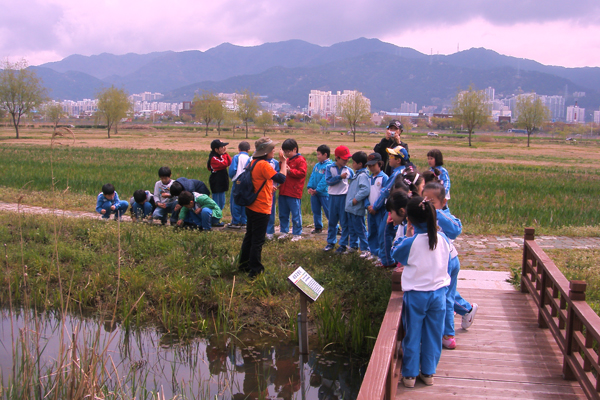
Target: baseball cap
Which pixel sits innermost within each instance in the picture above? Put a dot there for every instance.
(215, 144)
(263, 146)
(373, 158)
(395, 124)
(398, 151)
(342, 152)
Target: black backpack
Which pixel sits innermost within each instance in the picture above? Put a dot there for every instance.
(243, 188)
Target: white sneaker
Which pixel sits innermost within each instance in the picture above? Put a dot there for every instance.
(365, 254)
(269, 236)
(296, 238)
(283, 236)
(468, 318)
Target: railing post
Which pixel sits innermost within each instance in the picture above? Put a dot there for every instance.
(576, 293)
(529, 235)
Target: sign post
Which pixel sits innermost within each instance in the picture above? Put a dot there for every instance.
(309, 290)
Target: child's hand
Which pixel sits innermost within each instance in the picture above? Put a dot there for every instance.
(180, 222)
(112, 208)
(165, 194)
(177, 208)
(281, 155)
(370, 210)
(354, 202)
(103, 211)
(198, 210)
(161, 205)
(344, 175)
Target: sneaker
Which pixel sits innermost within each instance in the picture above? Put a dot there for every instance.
(315, 231)
(329, 247)
(218, 225)
(296, 238)
(283, 236)
(378, 264)
(269, 236)
(365, 254)
(448, 342)
(468, 318)
(351, 250)
(234, 226)
(427, 379)
(408, 381)
(341, 250)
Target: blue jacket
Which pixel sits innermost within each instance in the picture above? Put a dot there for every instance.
(448, 223)
(233, 168)
(359, 189)
(193, 185)
(317, 177)
(445, 178)
(101, 200)
(333, 178)
(385, 191)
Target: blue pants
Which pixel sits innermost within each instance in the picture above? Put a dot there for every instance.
(141, 210)
(461, 306)
(423, 321)
(290, 205)
(119, 210)
(238, 213)
(204, 219)
(387, 234)
(374, 222)
(453, 268)
(316, 203)
(357, 232)
(162, 213)
(337, 214)
(271, 224)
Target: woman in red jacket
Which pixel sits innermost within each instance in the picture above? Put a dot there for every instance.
(290, 193)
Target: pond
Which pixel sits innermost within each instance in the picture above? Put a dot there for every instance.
(146, 362)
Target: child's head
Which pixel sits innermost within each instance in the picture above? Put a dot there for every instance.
(420, 211)
(164, 174)
(399, 185)
(396, 206)
(398, 156)
(218, 147)
(359, 159)
(176, 189)
(374, 163)
(414, 181)
(435, 158)
(244, 146)
(139, 196)
(342, 154)
(186, 199)
(108, 190)
(323, 153)
(289, 147)
(436, 192)
(431, 176)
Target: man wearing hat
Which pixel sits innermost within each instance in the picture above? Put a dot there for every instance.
(259, 212)
(392, 139)
(218, 164)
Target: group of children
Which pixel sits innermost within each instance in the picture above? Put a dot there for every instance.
(408, 225)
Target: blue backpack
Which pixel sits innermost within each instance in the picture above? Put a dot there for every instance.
(243, 188)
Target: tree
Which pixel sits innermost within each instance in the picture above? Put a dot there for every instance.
(113, 105)
(206, 107)
(231, 118)
(470, 109)
(354, 108)
(264, 121)
(219, 114)
(247, 108)
(54, 113)
(21, 91)
(531, 113)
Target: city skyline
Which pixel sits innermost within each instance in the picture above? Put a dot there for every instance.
(558, 33)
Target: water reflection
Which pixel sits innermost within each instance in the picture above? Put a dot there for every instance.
(222, 367)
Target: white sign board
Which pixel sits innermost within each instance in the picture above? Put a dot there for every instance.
(306, 284)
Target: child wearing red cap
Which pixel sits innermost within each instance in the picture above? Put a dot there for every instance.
(336, 177)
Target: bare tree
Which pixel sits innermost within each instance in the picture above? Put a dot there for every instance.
(353, 109)
(113, 105)
(531, 113)
(470, 109)
(247, 108)
(21, 91)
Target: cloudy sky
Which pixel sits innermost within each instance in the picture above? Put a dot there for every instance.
(549, 31)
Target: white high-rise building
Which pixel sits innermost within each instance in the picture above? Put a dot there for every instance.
(408, 107)
(556, 105)
(325, 104)
(597, 117)
(576, 114)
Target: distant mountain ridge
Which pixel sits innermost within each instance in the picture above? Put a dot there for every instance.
(287, 71)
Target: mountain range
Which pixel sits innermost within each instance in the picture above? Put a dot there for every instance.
(287, 71)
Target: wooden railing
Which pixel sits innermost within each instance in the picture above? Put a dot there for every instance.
(383, 373)
(563, 310)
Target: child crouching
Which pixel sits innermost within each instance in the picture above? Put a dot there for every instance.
(198, 211)
(108, 203)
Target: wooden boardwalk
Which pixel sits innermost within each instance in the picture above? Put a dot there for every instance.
(504, 355)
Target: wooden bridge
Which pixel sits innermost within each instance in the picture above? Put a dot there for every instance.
(539, 343)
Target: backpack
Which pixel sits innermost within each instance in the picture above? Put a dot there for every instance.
(243, 188)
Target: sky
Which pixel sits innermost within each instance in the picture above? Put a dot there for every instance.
(553, 32)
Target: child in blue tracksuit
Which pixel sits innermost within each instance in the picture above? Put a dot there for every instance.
(375, 219)
(358, 192)
(317, 188)
(108, 203)
(398, 160)
(271, 225)
(238, 164)
(425, 254)
(452, 227)
(336, 177)
(436, 160)
(142, 205)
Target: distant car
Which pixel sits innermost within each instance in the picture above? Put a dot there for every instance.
(372, 133)
(197, 123)
(432, 134)
(178, 123)
(570, 139)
